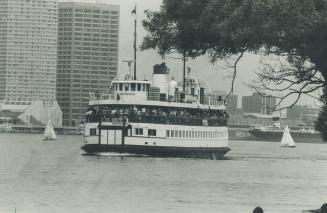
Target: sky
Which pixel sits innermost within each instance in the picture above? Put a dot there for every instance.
(216, 77)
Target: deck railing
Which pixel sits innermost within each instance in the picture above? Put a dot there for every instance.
(211, 100)
(157, 119)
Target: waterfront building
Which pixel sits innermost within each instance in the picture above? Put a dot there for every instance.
(87, 55)
(258, 103)
(304, 113)
(28, 57)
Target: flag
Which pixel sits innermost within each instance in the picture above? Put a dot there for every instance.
(188, 70)
(134, 11)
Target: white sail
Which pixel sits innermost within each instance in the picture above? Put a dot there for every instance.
(287, 140)
(49, 133)
(53, 134)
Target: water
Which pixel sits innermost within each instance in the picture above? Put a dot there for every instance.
(53, 176)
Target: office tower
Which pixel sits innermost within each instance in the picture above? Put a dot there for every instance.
(28, 56)
(258, 103)
(87, 55)
(28, 51)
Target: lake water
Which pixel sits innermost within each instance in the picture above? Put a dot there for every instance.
(53, 176)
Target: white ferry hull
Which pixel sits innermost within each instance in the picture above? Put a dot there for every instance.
(212, 143)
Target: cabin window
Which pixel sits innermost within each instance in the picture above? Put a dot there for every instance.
(126, 87)
(167, 133)
(152, 132)
(93, 131)
(192, 134)
(133, 87)
(192, 91)
(186, 134)
(183, 134)
(120, 87)
(138, 131)
(172, 133)
(176, 133)
(139, 87)
(143, 87)
(180, 134)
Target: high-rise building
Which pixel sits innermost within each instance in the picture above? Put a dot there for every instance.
(87, 55)
(28, 51)
(28, 59)
(259, 103)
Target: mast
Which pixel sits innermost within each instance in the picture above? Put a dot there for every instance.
(134, 12)
(184, 61)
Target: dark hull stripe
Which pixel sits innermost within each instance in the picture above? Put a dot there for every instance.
(159, 151)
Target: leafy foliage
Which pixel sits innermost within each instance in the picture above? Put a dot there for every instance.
(293, 29)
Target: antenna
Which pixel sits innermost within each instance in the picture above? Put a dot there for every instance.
(134, 12)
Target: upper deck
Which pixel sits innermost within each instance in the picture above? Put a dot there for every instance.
(135, 92)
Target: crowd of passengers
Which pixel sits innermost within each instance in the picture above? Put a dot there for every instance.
(150, 114)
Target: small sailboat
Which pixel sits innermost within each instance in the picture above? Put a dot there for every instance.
(49, 133)
(287, 140)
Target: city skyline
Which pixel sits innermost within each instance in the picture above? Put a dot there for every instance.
(88, 36)
(28, 52)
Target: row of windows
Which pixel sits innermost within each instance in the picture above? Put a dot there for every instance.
(194, 134)
(184, 133)
(130, 87)
(151, 132)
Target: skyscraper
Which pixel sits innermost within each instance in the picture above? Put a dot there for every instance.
(87, 54)
(28, 60)
(257, 103)
(28, 51)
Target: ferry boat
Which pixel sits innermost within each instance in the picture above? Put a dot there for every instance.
(160, 118)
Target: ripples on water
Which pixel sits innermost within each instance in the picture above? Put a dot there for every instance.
(55, 176)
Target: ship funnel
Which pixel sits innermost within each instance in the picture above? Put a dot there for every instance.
(160, 77)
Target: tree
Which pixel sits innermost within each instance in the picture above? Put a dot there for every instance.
(295, 30)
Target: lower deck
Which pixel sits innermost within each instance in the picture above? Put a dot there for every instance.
(156, 135)
(156, 139)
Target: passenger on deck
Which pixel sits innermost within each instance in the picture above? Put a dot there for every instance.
(258, 210)
(323, 208)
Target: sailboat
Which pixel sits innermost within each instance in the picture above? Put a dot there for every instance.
(49, 133)
(287, 140)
